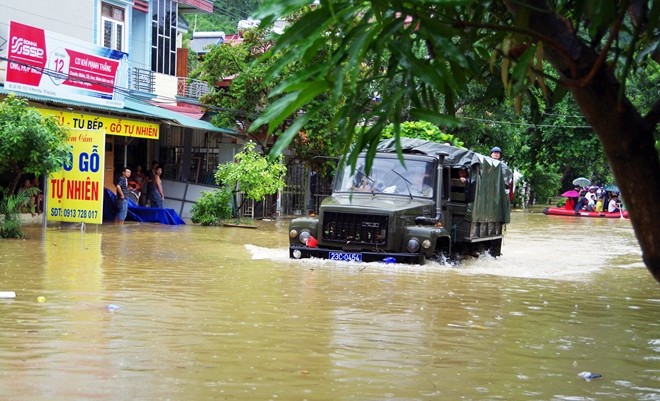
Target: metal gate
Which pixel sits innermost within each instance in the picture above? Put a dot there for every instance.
(305, 190)
(294, 194)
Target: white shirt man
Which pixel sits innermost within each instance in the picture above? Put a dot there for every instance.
(591, 195)
(613, 206)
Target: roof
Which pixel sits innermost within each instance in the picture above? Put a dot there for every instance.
(66, 102)
(202, 42)
(190, 110)
(177, 118)
(195, 6)
(132, 108)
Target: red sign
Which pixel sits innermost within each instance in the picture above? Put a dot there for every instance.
(27, 50)
(91, 72)
(46, 63)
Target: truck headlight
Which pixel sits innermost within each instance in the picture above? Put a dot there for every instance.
(412, 245)
(293, 233)
(304, 236)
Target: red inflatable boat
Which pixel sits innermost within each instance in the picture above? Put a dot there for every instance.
(558, 211)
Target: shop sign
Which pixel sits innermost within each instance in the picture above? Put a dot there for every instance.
(110, 125)
(75, 193)
(49, 64)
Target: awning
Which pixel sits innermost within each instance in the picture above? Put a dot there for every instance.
(132, 108)
(177, 118)
(66, 102)
(195, 6)
(191, 111)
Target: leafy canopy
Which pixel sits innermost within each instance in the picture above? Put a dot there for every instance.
(252, 174)
(434, 50)
(212, 207)
(422, 130)
(245, 93)
(29, 142)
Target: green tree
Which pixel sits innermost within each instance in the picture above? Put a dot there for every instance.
(29, 142)
(212, 207)
(248, 93)
(10, 218)
(592, 46)
(225, 16)
(421, 130)
(252, 174)
(550, 143)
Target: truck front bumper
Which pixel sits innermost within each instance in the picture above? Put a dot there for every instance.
(304, 252)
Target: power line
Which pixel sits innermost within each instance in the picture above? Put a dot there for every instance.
(522, 124)
(127, 93)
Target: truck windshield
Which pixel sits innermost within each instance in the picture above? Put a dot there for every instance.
(388, 176)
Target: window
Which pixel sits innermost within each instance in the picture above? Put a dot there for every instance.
(164, 24)
(113, 20)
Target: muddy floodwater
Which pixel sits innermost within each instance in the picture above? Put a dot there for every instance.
(153, 312)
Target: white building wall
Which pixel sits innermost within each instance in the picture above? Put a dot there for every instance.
(69, 17)
(75, 18)
(139, 50)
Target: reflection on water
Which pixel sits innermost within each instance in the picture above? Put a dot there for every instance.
(205, 313)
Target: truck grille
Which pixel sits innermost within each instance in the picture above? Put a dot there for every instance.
(349, 228)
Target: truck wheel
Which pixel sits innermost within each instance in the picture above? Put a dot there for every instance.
(495, 248)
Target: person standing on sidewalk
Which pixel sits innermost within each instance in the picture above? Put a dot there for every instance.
(157, 194)
(122, 191)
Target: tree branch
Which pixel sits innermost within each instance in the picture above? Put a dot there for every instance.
(603, 53)
(545, 39)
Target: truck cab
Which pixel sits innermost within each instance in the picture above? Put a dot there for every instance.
(440, 201)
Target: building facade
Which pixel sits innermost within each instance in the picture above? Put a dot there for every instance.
(120, 63)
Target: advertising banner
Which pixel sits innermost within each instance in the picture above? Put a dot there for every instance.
(111, 125)
(75, 193)
(50, 64)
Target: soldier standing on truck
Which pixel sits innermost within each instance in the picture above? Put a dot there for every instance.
(496, 153)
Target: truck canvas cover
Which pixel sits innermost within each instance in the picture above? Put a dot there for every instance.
(488, 176)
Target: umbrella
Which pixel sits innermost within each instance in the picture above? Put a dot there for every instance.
(570, 194)
(581, 181)
(612, 188)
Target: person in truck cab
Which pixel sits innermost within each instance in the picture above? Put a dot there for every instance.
(420, 186)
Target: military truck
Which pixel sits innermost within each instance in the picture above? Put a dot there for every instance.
(441, 201)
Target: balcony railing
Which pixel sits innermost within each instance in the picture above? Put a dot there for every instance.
(191, 88)
(142, 80)
(161, 85)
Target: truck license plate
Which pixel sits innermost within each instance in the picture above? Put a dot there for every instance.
(345, 256)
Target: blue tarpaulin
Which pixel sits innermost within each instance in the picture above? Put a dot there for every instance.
(140, 213)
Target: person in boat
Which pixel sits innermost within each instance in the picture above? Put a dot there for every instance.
(591, 204)
(599, 204)
(591, 194)
(570, 204)
(581, 203)
(614, 205)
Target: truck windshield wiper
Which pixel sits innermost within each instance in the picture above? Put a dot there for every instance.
(408, 183)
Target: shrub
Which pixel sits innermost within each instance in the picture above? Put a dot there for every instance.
(212, 207)
(10, 224)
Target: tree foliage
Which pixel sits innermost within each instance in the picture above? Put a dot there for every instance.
(248, 94)
(434, 51)
(225, 16)
(421, 130)
(29, 142)
(252, 174)
(212, 207)
(10, 204)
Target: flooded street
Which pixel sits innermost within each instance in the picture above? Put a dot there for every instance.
(152, 312)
